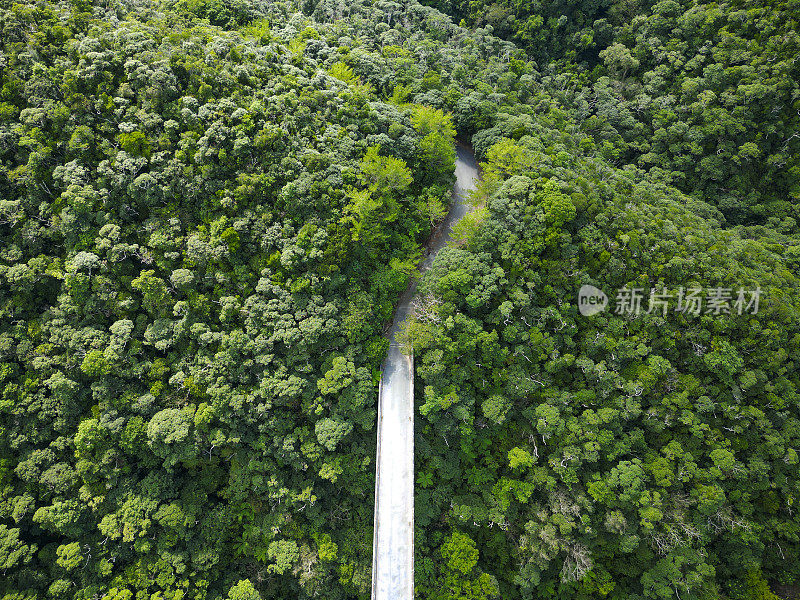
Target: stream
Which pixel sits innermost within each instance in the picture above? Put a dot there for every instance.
(393, 542)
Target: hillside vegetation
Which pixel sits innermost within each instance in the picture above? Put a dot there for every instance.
(208, 210)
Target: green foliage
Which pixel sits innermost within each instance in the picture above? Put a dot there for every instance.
(330, 432)
(603, 452)
(244, 590)
(13, 551)
(384, 175)
(459, 553)
(208, 209)
(284, 553)
(344, 73)
(460, 576)
(69, 556)
(698, 93)
(202, 235)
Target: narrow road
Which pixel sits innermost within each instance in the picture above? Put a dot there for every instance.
(393, 543)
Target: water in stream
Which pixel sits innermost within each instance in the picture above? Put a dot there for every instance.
(393, 551)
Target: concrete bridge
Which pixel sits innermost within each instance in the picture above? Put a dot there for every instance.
(393, 538)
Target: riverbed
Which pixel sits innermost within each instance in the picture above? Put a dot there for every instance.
(393, 550)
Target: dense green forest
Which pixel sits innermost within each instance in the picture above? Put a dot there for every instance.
(208, 209)
(703, 93)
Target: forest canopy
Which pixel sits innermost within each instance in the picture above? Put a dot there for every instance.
(209, 209)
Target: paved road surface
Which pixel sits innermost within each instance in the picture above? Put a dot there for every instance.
(393, 551)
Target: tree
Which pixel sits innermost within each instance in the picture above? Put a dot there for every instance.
(285, 553)
(384, 175)
(460, 553)
(331, 432)
(244, 590)
(13, 551)
(619, 60)
(168, 435)
(69, 556)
